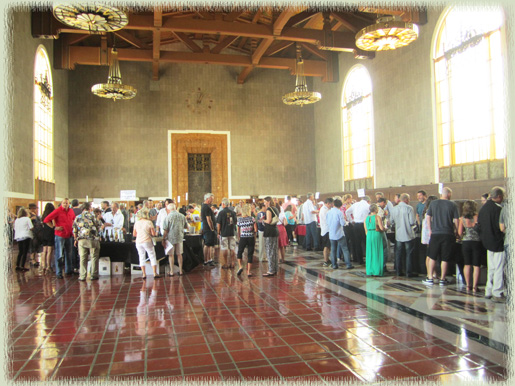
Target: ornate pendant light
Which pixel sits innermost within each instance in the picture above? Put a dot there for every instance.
(94, 18)
(301, 96)
(114, 88)
(387, 34)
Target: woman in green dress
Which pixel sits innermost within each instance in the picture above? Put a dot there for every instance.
(374, 256)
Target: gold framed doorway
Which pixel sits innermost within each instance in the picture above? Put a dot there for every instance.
(182, 144)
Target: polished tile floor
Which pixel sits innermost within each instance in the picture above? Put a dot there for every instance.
(308, 323)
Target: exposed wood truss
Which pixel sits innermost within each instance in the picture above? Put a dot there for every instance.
(263, 37)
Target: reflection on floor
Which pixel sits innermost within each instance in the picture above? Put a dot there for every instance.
(307, 323)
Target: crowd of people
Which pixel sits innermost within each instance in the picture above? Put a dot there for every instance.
(350, 232)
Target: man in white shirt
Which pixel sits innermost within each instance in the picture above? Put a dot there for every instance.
(326, 243)
(359, 212)
(162, 215)
(113, 220)
(310, 219)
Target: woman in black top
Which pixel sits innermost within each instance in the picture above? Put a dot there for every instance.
(48, 241)
(271, 236)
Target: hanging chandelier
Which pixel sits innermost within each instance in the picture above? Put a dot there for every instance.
(94, 18)
(301, 96)
(114, 88)
(387, 34)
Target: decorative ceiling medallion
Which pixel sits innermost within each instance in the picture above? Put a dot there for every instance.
(95, 18)
(387, 34)
(114, 88)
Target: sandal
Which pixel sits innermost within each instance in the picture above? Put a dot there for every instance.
(170, 275)
(144, 277)
(469, 288)
(180, 273)
(157, 276)
(268, 274)
(250, 275)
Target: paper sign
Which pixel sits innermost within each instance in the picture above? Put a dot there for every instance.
(361, 192)
(317, 195)
(127, 195)
(440, 187)
(97, 201)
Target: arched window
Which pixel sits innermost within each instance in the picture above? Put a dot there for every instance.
(43, 132)
(469, 86)
(358, 131)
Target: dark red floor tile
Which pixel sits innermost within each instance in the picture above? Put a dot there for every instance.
(294, 369)
(222, 357)
(99, 370)
(259, 372)
(199, 369)
(394, 372)
(284, 360)
(297, 339)
(279, 351)
(341, 376)
(217, 347)
(239, 345)
(226, 366)
(246, 355)
(252, 363)
(426, 367)
(171, 372)
(72, 372)
(119, 368)
(163, 364)
(308, 348)
(406, 356)
(433, 352)
(194, 350)
(326, 365)
(231, 375)
(197, 360)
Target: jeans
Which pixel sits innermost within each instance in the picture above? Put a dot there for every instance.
(400, 247)
(340, 244)
(312, 234)
(63, 246)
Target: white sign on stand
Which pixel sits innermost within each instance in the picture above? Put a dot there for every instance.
(361, 192)
(440, 188)
(127, 195)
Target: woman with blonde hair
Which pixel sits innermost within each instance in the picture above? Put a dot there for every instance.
(471, 244)
(144, 231)
(23, 235)
(247, 231)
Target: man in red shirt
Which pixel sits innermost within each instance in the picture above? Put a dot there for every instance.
(63, 217)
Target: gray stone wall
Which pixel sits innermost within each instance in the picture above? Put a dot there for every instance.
(403, 125)
(123, 145)
(20, 122)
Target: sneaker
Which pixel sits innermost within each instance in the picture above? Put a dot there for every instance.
(351, 267)
(59, 276)
(326, 264)
(444, 282)
(294, 243)
(498, 299)
(428, 281)
(94, 278)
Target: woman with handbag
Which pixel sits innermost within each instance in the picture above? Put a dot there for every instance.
(271, 236)
(374, 252)
(471, 245)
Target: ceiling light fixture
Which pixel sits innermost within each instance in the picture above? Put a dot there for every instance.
(387, 34)
(94, 18)
(301, 96)
(114, 89)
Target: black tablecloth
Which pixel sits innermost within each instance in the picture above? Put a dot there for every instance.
(193, 253)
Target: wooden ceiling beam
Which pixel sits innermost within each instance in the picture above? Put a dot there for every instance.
(324, 55)
(342, 20)
(299, 18)
(156, 42)
(244, 74)
(282, 19)
(74, 39)
(232, 16)
(131, 39)
(277, 47)
(188, 42)
(260, 51)
(350, 21)
(91, 56)
(257, 16)
(224, 43)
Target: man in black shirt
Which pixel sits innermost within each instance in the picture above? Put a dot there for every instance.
(208, 229)
(226, 225)
(493, 240)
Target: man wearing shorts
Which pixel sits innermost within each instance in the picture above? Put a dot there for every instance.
(443, 226)
(226, 225)
(173, 231)
(208, 229)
